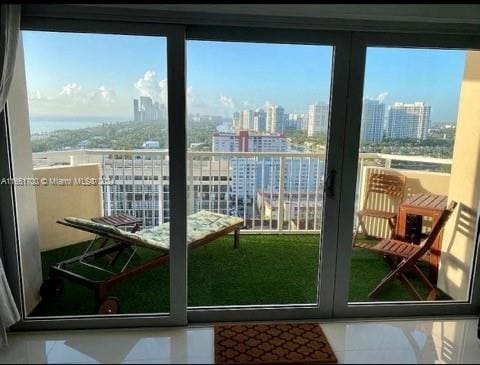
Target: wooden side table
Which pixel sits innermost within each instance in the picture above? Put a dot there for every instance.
(419, 206)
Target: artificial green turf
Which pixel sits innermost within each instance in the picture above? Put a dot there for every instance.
(266, 269)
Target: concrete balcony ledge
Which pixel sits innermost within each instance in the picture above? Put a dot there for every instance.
(56, 201)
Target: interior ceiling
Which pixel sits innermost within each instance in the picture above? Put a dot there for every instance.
(433, 13)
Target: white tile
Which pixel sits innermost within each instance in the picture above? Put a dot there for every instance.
(148, 361)
(415, 341)
(200, 346)
(25, 349)
(358, 336)
(62, 352)
(377, 357)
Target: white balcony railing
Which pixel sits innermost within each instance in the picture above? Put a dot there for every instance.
(271, 191)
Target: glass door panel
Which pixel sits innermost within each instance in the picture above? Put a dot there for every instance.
(258, 125)
(98, 133)
(418, 154)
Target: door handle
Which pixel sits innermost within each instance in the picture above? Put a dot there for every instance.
(330, 183)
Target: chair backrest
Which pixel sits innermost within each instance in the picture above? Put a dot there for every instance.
(437, 228)
(388, 184)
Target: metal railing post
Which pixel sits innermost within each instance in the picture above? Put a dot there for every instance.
(388, 163)
(361, 185)
(191, 197)
(281, 191)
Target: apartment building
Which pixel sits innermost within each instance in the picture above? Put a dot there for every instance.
(373, 117)
(140, 187)
(410, 121)
(246, 141)
(147, 110)
(317, 119)
(275, 119)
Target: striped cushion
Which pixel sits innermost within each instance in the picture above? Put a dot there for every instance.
(199, 225)
(93, 225)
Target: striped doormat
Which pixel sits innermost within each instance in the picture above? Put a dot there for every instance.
(276, 343)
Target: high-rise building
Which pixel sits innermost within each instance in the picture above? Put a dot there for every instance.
(373, 116)
(245, 170)
(249, 175)
(159, 112)
(247, 119)
(304, 122)
(317, 119)
(150, 201)
(136, 111)
(410, 121)
(236, 120)
(293, 122)
(260, 121)
(244, 141)
(275, 119)
(145, 110)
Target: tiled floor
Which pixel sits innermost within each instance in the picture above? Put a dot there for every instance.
(428, 341)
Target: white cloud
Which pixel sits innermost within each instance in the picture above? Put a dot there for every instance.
(149, 85)
(35, 95)
(73, 99)
(70, 90)
(382, 96)
(227, 102)
(38, 96)
(103, 94)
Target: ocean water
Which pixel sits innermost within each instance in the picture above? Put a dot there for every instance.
(42, 126)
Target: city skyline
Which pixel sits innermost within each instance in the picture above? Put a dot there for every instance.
(379, 121)
(222, 76)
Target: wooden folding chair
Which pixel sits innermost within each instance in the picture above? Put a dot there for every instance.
(402, 257)
(387, 184)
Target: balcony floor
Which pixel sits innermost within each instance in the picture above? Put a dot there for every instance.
(266, 269)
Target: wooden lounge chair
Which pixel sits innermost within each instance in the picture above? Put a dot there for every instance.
(402, 257)
(387, 184)
(202, 228)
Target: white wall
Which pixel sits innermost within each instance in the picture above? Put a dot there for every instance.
(55, 202)
(458, 246)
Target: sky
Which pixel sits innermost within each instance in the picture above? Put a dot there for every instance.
(73, 76)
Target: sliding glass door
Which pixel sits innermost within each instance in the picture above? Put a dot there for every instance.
(260, 115)
(251, 174)
(411, 239)
(262, 119)
(92, 150)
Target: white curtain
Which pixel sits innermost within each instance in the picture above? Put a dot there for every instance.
(8, 310)
(9, 31)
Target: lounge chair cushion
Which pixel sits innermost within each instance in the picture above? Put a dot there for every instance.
(93, 225)
(199, 225)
